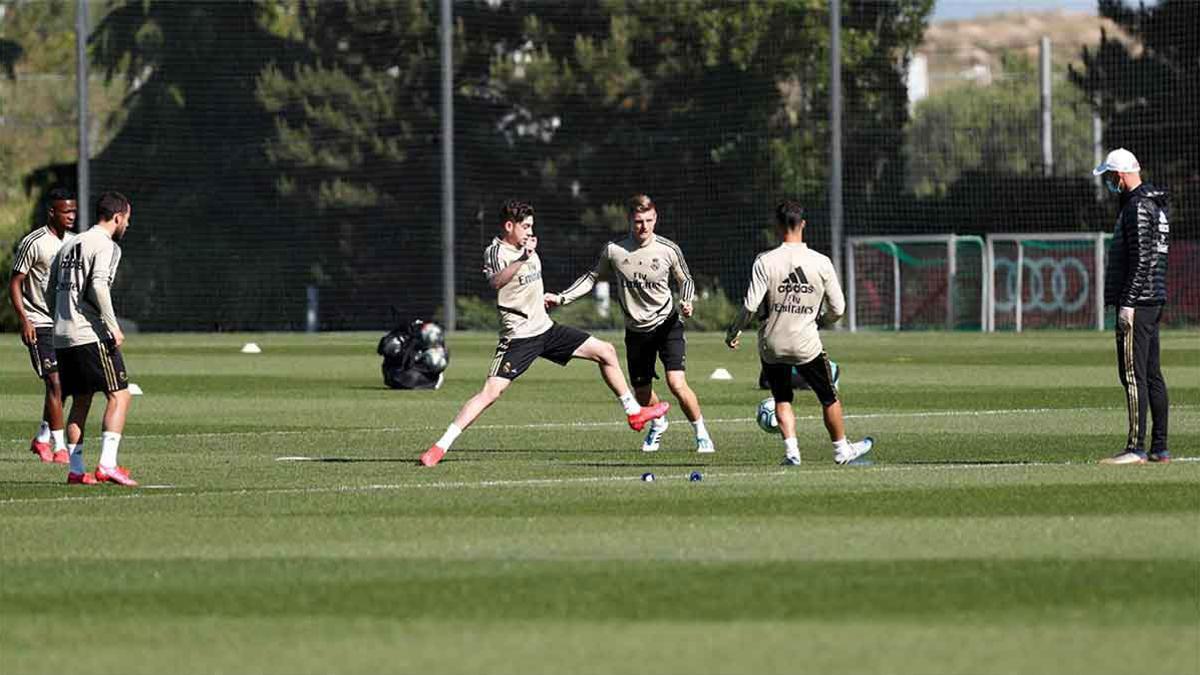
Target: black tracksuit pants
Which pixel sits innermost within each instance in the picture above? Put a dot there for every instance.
(1141, 376)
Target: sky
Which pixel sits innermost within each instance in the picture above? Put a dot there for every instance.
(947, 10)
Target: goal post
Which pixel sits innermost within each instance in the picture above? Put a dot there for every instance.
(1045, 280)
(905, 282)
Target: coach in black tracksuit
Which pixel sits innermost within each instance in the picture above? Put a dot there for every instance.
(1135, 282)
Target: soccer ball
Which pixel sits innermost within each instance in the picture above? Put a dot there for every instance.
(433, 360)
(765, 416)
(391, 346)
(431, 335)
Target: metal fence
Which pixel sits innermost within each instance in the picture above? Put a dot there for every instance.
(286, 164)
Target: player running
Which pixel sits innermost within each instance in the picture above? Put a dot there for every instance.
(513, 268)
(88, 339)
(644, 264)
(795, 290)
(27, 290)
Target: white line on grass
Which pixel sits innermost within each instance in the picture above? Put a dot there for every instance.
(588, 425)
(545, 482)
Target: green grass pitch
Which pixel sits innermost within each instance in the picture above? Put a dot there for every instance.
(983, 538)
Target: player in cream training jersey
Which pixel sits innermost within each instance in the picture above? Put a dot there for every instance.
(88, 340)
(27, 290)
(512, 267)
(643, 265)
(794, 291)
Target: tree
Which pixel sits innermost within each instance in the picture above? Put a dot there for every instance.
(356, 134)
(715, 108)
(996, 129)
(1149, 97)
(204, 249)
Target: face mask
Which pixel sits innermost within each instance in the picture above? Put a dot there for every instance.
(1112, 187)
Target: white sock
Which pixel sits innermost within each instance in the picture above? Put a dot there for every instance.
(449, 437)
(630, 404)
(791, 447)
(43, 432)
(60, 442)
(842, 446)
(659, 423)
(108, 449)
(701, 430)
(76, 452)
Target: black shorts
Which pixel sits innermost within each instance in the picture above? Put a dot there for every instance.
(515, 355)
(42, 355)
(666, 342)
(87, 369)
(817, 373)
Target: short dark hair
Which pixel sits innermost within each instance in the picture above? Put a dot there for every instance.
(640, 203)
(789, 213)
(110, 204)
(60, 194)
(515, 210)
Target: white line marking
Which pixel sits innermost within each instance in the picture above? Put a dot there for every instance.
(588, 425)
(545, 482)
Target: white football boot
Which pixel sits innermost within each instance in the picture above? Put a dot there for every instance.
(654, 436)
(856, 450)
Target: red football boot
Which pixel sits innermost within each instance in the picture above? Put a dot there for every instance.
(647, 413)
(433, 455)
(42, 449)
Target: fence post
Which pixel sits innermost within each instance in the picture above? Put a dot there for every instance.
(82, 166)
(1047, 114)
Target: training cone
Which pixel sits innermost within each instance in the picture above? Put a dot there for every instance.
(134, 389)
(720, 374)
(251, 348)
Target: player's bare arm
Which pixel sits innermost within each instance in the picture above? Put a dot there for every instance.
(28, 332)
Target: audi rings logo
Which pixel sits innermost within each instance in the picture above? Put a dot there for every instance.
(1068, 288)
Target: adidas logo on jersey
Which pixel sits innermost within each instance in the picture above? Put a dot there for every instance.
(796, 282)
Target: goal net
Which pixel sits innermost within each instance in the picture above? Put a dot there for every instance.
(915, 282)
(1046, 280)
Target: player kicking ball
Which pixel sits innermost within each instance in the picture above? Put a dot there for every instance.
(643, 264)
(795, 290)
(512, 267)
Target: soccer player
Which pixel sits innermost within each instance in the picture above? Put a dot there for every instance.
(27, 290)
(644, 264)
(88, 339)
(512, 267)
(795, 290)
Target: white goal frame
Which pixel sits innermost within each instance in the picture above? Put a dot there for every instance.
(1099, 248)
(951, 242)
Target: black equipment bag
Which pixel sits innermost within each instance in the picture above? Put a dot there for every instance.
(414, 355)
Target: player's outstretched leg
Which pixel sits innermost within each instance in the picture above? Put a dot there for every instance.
(604, 354)
(677, 381)
(493, 387)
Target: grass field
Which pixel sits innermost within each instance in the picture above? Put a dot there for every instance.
(983, 538)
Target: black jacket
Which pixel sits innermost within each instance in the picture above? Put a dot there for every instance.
(1136, 273)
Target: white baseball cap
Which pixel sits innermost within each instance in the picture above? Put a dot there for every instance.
(1119, 160)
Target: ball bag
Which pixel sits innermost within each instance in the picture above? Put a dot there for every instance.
(414, 356)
